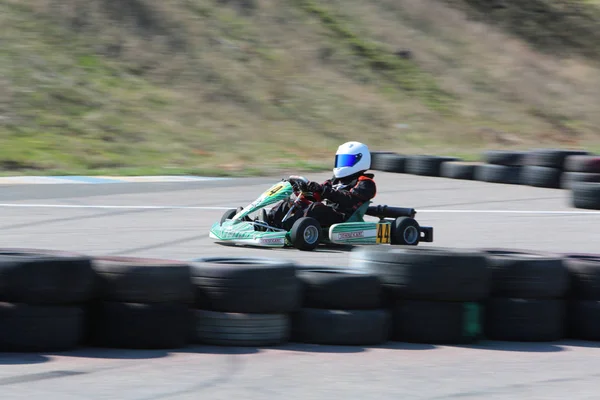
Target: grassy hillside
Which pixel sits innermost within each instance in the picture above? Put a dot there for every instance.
(247, 86)
(563, 27)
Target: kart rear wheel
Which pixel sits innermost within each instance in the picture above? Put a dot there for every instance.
(228, 215)
(406, 231)
(305, 233)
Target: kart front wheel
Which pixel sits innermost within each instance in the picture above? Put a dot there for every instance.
(305, 233)
(406, 231)
(228, 215)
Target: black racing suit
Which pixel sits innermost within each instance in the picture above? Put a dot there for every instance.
(341, 198)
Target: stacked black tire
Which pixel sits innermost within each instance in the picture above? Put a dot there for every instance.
(501, 166)
(388, 161)
(140, 304)
(42, 299)
(340, 307)
(435, 294)
(243, 301)
(584, 296)
(528, 296)
(580, 168)
(582, 177)
(426, 165)
(544, 167)
(459, 169)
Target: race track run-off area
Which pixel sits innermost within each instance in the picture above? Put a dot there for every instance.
(172, 220)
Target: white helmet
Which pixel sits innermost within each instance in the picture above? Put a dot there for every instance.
(350, 158)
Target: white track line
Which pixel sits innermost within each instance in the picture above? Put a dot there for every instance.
(533, 212)
(104, 207)
(142, 207)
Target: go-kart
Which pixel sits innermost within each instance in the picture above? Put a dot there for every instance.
(395, 225)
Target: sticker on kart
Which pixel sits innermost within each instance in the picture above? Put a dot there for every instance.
(384, 231)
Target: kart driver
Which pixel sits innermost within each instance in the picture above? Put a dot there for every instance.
(337, 198)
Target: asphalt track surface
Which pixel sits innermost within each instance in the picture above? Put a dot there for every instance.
(171, 220)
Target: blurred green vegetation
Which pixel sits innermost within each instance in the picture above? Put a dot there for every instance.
(258, 86)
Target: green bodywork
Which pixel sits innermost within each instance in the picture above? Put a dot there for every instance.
(354, 231)
(240, 231)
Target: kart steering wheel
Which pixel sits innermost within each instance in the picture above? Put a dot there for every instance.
(298, 182)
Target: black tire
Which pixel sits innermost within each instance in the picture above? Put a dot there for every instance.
(376, 165)
(303, 226)
(390, 162)
(34, 328)
(525, 320)
(523, 274)
(498, 174)
(426, 273)
(504, 157)
(138, 325)
(458, 170)
(586, 195)
(140, 280)
(584, 320)
(569, 178)
(426, 165)
(340, 290)
(405, 231)
(437, 322)
(584, 273)
(246, 285)
(546, 177)
(585, 164)
(45, 277)
(228, 215)
(553, 158)
(341, 327)
(240, 329)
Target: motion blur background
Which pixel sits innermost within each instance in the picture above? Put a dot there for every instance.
(231, 87)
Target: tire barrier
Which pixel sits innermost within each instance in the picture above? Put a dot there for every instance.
(430, 295)
(341, 307)
(575, 170)
(580, 168)
(426, 165)
(567, 179)
(544, 167)
(550, 158)
(139, 304)
(504, 157)
(43, 295)
(586, 195)
(538, 176)
(584, 305)
(458, 170)
(389, 162)
(435, 294)
(527, 298)
(494, 173)
(243, 301)
(241, 329)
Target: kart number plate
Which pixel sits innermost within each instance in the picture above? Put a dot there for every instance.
(383, 233)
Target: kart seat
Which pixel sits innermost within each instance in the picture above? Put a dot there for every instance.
(358, 214)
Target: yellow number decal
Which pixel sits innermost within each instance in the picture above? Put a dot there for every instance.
(274, 190)
(383, 233)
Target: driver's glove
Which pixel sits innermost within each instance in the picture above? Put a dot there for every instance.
(302, 186)
(326, 188)
(314, 187)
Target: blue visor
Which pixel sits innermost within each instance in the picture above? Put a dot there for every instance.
(346, 160)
